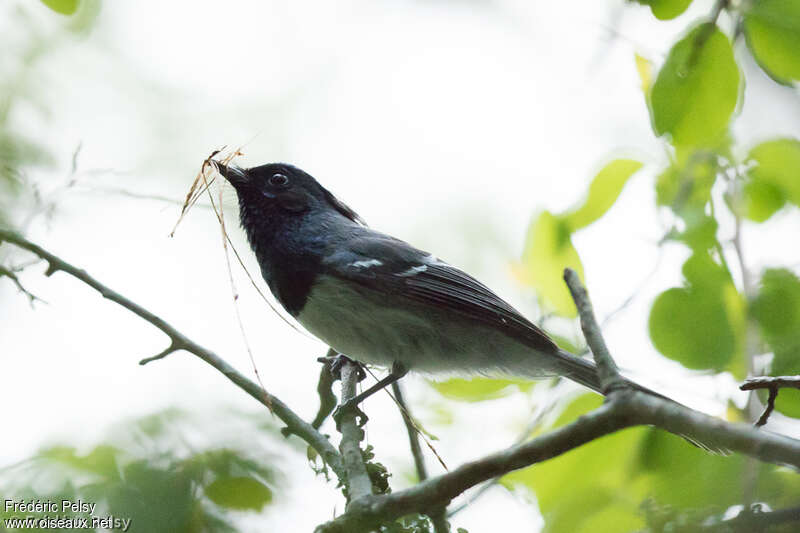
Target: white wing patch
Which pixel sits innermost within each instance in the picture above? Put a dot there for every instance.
(366, 263)
(413, 271)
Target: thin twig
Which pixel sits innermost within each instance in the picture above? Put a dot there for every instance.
(769, 382)
(413, 434)
(180, 342)
(639, 288)
(11, 274)
(439, 515)
(607, 370)
(773, 395)
(773, 384)
(420, 431)
(234, 292)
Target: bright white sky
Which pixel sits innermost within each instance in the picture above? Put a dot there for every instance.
(448, 124)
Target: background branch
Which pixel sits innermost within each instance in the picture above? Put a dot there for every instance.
(180, 342)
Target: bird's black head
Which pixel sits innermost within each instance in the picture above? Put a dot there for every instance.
(280, 190)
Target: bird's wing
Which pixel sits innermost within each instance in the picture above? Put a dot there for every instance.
(392, 267)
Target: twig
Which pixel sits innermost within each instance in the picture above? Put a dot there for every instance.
(773, 384)
(639, 288)
(439, 515)
(770, 382)
(773, 395)
(413, 435)
(535, 422)
(180, 342)
(10, 274)
(707, 30)
(607, 370)
(358, 482)
(420, 431)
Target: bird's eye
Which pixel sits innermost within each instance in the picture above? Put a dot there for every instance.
(278, 180)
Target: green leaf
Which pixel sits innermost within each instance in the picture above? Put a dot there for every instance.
(776, 308)
(772, 179)
(548, 251)
(666, 9)
(479, 389)
(696, 90)
(700, 325)
(687, 184)
(65, 7)
(761, 200)
(603, 192)
(688, 477)
(691, 327)
(772, 30)
(241, 493)
(701, 231)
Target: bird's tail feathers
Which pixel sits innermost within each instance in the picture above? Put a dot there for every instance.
(585, 372)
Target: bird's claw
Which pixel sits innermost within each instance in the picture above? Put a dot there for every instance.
(338, 361)
(348, 407)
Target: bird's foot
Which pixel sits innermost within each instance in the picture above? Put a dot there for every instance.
(347, 408)
(338, 361)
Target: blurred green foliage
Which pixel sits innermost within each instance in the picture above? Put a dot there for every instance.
(149, 472)
(772, 29)
(65, 7)
(700, 325)
(548, 245)
(479, 389)
(21, 153)
(772, 179)
(696, 91)
(666, 9)
(776, 308)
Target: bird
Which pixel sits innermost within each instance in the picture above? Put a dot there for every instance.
(377, 299)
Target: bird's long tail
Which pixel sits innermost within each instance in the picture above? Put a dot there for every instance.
(585, 373)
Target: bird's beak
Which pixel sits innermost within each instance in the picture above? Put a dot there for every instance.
(235, 175)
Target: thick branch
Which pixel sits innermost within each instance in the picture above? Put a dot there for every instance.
(358, 481)
(180, 342)
(607, 370)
